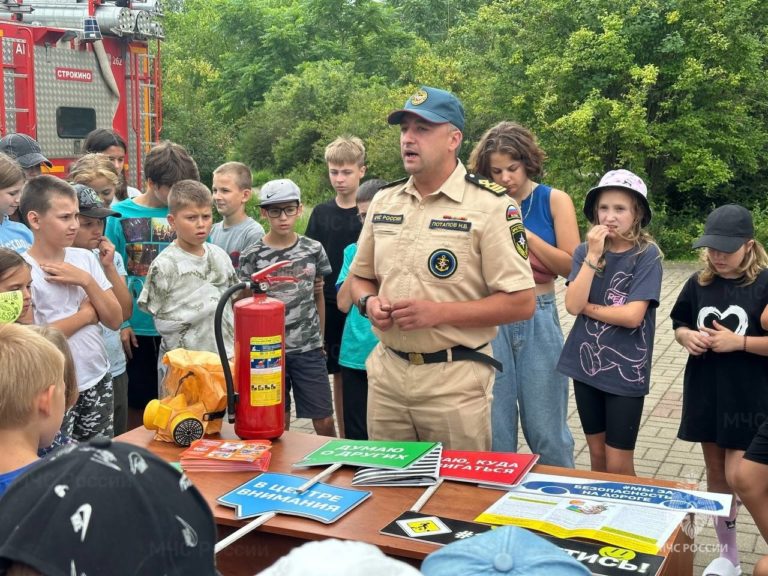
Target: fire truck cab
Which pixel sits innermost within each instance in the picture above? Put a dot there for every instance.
(70, 66)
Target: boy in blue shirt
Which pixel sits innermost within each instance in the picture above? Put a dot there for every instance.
(358, 338)
(139, 235)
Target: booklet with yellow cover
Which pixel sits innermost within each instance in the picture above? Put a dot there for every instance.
(638, 528)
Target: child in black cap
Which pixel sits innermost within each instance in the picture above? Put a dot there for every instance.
(26, 151)
(90, 236)
(105, 508)
(717, 319)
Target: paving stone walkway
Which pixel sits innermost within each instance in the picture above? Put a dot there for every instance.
(659, 454)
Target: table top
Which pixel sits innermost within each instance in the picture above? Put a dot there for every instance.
(457, 500)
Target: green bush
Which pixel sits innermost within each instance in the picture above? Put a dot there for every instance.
(760, 217)
(675, 233)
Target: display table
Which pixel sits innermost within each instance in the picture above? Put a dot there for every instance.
(279, 535)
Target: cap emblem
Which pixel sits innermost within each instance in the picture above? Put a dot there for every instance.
(419, 97)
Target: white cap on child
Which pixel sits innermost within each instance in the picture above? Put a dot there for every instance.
(338, 558)
(279, 191)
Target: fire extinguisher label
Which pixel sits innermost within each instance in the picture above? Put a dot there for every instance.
(266, 370)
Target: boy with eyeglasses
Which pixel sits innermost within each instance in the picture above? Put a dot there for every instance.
(305, 369)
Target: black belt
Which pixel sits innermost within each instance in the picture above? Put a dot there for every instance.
(457, 353)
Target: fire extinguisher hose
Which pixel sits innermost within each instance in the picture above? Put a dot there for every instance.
(217, 320)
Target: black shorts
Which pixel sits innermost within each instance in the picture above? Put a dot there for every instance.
(142, 372)
(617, 416)
(334, 327)
(758, 449)
(355, 402)
(306, 375)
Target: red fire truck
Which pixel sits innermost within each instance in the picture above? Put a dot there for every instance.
(71, 66)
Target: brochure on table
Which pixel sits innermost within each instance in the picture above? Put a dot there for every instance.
(491, 469)
(272, 492)
(659, 497)
(368, 453)
(638, 528)
(227, 455)
(599, 559)
(422, 472)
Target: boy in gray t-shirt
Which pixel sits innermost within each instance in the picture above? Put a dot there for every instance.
(305, 370)
(231, 192)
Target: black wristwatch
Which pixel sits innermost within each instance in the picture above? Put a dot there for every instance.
(361, 303)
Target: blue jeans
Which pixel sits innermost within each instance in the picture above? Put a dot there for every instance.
(529, 351)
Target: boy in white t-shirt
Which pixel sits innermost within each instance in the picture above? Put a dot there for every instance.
(186, 280)
(71, 292)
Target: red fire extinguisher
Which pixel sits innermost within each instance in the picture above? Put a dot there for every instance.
(256, 401)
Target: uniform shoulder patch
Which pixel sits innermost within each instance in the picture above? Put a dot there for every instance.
(485, 184)
(394, 183)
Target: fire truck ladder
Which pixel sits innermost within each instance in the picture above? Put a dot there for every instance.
(17, 66)
(147, 107)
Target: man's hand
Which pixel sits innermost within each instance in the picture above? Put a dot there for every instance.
(379, 312)
(129, 341)
(721, 339)
(415, 314)
(106, 252)
(65, 273)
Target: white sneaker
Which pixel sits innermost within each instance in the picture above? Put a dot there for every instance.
(721, 567)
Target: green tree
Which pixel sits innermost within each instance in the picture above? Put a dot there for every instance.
(675, 90)
(190, 66)
(272, 38)
(432, 20)
(302, 112)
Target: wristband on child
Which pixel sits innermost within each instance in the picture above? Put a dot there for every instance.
(597, 269)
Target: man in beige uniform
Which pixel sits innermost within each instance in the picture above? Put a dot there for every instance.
(441, 261)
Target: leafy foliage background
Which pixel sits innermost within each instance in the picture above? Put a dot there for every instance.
(675, 90)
